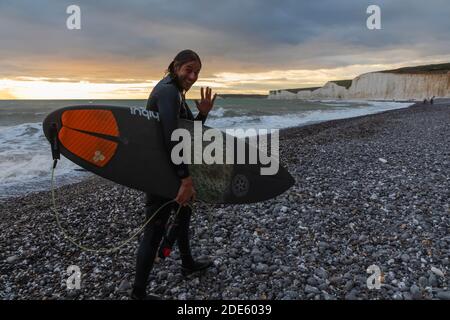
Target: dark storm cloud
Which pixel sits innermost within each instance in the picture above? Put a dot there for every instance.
(245, 35)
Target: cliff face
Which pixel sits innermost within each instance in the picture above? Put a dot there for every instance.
(282, 95)
(383, 85)
(379, 85)
(330, 89)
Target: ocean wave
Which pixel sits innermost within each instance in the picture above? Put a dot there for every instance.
(26, 160)
(219, 112)
(25, 154)
(302, 118)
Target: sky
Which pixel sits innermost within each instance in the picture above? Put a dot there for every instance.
(246, 46)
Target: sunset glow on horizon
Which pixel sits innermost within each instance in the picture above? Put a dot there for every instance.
(23, 88)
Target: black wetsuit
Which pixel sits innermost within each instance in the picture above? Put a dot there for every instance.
(167, 100)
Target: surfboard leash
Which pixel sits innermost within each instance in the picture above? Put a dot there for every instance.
(84, 248)
(54, 142)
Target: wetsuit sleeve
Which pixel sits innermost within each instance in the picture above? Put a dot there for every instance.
(168, 103)
(199, 116)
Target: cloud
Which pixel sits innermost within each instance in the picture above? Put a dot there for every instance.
(137, 39)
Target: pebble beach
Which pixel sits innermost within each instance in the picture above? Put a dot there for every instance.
(370, 191)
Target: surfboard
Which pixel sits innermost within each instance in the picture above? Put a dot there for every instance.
(125, 145)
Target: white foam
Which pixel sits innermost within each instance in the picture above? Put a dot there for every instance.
(219, 112)
(26, 160)
(25, 155)
(305, 117)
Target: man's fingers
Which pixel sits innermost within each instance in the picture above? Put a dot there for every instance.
(202, 93)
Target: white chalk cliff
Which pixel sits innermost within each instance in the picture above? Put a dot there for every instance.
(399, 84)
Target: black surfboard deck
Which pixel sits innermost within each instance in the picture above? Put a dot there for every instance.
(125, 145)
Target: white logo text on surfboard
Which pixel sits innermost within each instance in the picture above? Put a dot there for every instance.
(144, 113)
(232, 151)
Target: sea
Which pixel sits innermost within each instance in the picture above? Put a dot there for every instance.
(25, 154)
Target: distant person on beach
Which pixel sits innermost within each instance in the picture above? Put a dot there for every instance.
(432, 100)
(425, 101)
(168, 99)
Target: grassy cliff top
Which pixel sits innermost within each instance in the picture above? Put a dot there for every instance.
(302, 89)
(295, 90)
(343, 83)
(430, 68)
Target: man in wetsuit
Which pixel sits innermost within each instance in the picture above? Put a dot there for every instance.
(168, 99)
